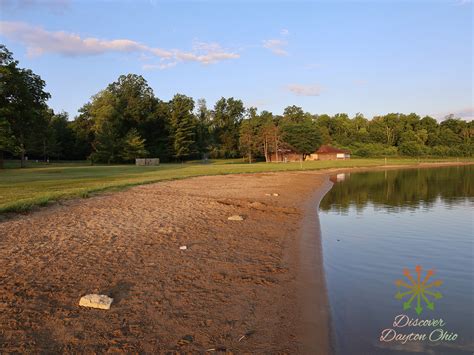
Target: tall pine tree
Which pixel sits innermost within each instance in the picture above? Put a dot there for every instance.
(183, 126)
(133, 146)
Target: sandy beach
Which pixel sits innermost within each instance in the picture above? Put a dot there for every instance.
(236, 288)
(251, 286)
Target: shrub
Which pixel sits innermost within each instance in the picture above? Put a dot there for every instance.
(412, 149)
(373, 150)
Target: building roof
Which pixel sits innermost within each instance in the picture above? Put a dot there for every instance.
(327, 149)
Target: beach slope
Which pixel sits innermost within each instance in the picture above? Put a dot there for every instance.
(237, 287)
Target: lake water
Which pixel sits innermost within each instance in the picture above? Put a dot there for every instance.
(376, 224)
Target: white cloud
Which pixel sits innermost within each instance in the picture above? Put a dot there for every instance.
(277, 46)
(206, 53)
(466, 113)
(305, 90)
(161, 66)
(39, 41)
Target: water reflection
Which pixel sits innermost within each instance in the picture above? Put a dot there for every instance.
(373, 226)
(399, 189)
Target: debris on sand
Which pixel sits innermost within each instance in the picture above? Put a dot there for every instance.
(183, 247)
(235, 218)
(218, 349)
(187, 339)
(96, 301)
(275, 194)
(246, 335)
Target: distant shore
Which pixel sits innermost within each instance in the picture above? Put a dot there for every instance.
(251, 286)
(44, 184)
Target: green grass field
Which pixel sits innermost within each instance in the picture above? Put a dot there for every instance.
(39, 183)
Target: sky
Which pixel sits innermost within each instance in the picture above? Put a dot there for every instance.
(372, 57)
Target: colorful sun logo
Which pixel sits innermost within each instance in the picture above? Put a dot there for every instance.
(418, 289)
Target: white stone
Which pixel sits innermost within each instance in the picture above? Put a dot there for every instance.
(184, 247)
(235, 218)
(96, 301)
(275, 194)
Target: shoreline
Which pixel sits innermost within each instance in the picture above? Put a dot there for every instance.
(316, 328)
(97, 183)
(239, 286)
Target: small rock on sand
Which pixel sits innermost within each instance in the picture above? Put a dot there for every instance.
(256, 205)
(235, 218)
(183, 247)
(275, 194)
(96, 301)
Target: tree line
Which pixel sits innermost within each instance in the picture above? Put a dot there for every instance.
(126, 120)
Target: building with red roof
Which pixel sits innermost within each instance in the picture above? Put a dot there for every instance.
(325, 152)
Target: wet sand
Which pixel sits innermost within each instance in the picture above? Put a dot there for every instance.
(251, 286)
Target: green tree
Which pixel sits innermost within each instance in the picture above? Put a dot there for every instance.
(323, 122)
(22, 100)
(183, 125)
(448, 137)
(226, 118)
(84, 134)
(385, 129)
(7, 140)
(293, 114)
(133, 146)
(45, 142)
(359, 130)
(342, 129)
(249, 134)
(64, 136)
(107, 145)
(127, 103)
(303, 137)
(270, 135)
(203, 136)
(454, 124)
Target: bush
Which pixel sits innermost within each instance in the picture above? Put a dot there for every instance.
(441, 151)
(373, 150)
(462, 150)
(467, 149)
(412, 149)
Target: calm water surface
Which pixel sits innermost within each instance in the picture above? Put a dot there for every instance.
(376, 224)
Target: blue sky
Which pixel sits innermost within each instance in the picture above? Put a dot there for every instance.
(327, 56)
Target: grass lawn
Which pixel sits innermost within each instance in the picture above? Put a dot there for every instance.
(38, 184)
